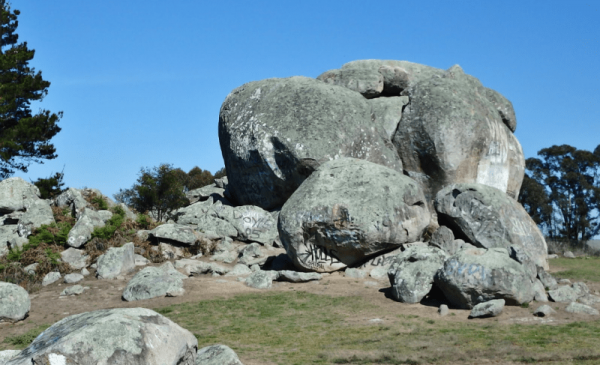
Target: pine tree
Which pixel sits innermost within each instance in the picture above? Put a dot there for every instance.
(24, 138)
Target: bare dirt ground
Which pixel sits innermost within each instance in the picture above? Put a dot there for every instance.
(47, 307)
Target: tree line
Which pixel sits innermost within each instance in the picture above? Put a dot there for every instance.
(561, 192)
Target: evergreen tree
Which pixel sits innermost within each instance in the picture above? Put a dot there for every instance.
(24, 137)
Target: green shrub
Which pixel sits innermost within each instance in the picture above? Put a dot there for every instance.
(101, 202)
(115, 222)
(22, 341)
(144, 221)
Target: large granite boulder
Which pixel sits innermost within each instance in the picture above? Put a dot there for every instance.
(252, 223)
(82, 230)
(478, 275)
(454, 130)
(7, 234)
(349, 210)
(16, 194)
(116, 261)
(14, 302)
(274, 133)
(37, 213)
(412, 272)
(487, 217)
(152, 282)
(133, 336)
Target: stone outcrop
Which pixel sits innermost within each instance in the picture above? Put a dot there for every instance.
(274, 133)
(135, 336)
(488, 218)
(412, 273)
(217, 355)
(84, 227)
(349, 210)
(478, 275)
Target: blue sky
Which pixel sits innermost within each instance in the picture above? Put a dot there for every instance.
(141, 82)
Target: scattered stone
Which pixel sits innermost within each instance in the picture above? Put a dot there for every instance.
(14, 302)
(171, 252)
(73, 278)
(569, 255)
(443, 310)
(472, 206)
(479, 275)
(580, 289)
(140, 260)
(50, 278)
(261, 279)
(491, 308)
(217, 355)
(564, 281)
(195, 267)
(73, 290)
(544, 311)
(30, 269)
(589, 299)
(77, 259)
(249, 254)
(116, 261)
(85, 272)
(333, 221)
(152, 282)
(552, 256)
(298, 277)
(239, 270)
(355, 273)
(412, 273)
(133, 336)
(579, 308)
(564, 294)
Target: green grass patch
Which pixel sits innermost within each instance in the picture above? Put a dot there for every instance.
(302, 328)
(577, 269)
(22, 341)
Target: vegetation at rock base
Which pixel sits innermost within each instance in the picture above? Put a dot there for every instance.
(561, 192)
(24, 137)
(160, 190)
(22, 341)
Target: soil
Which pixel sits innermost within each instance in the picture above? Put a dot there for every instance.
(47, 307)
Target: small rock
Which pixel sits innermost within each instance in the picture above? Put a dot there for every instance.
(580, 288)
(73, 278)
(552, 256)
(589, 299)
(298, 277)
(581, 309)
(30, 269)
(85, 272)
(355, 273)
(140, 260)
(564, 281)
(261, 279)
(50, 278)
(544, 311)
(540, 292)
(14, 302)
(73, 290)
(239, 270)
(443, 310)
(491, 308)
(176, 292)
(255, 268)
(564, 294)
(569, 255)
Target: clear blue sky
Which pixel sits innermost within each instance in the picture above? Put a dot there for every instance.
(141, 82)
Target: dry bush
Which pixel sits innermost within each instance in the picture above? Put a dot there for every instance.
(63, 215)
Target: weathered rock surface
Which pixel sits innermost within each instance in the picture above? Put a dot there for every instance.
(564, 294)
(16, 194)
(7, 355)
(73, 199)
(252, 223)
(152, 282)
(298, 277)
(204, 193)
(178, 233)
(412, 273)
(477, 275)
(544, 311)
(489, 218)
(14, 303)
(349, 210)
(261, 279)
(83, 228)
(540, 291)
(7, 233)
(274, 133)
(73, 290)
(581, 309)
(451, 132)
(547, 280)
(491, 308)
(239, 270)
(249, 254)
(37, 213)
(388, 112)
(77, 259)
(50, 278)
(112, 336)
(72, 278)
(217, 355)
(116, 261)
